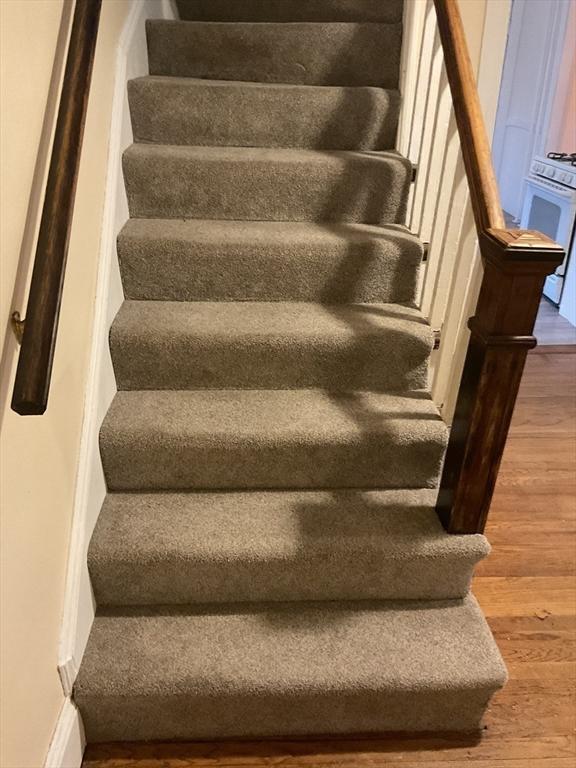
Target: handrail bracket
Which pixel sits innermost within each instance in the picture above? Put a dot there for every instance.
(17, 324)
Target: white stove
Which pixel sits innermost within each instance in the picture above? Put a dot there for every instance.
(550, 207)
(552, 168)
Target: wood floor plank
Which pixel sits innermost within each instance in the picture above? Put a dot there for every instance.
(345, 752)
(553, 349)
(548, 374)
(516, 511)
(551, 327)
(526, 595)
(546, 557)
(545, 416)
(527, 589)
(544, 706)
(543, 670)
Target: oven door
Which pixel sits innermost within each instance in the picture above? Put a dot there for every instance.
(550, 208)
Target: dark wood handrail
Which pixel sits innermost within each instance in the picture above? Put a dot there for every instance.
(476, 152)
(516, 263)
(32, 382)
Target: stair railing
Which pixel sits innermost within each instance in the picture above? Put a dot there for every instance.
(516, 263)
(38, 331)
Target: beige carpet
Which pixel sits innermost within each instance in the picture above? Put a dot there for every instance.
(268, 560)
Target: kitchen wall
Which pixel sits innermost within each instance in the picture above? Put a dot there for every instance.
(536, 84)
(562, 133)
(39, 454)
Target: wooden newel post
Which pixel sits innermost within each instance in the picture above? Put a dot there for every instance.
(516, 263)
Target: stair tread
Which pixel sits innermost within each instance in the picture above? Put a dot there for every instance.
(227, 260)
(257, 669)
(318, 53)
(306, 232)
(271, 439)
(282, 155)
(288, 414)
(193, 111)
(266, 345)
(270, 545)
(278, 184)
(400, 524)
(289, 320)
(239, 85)
(407, 645)
(291, 10)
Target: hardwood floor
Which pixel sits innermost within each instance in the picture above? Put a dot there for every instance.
(527, 589)
(551, 327)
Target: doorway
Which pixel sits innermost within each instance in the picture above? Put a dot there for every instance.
(534, 145)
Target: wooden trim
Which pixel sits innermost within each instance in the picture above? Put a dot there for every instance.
(516, 263)
(78, 609)
(501, 336)
(68, 740)
(32, 382)
(524, 239)
(476, 152)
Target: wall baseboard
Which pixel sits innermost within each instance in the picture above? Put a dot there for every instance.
(79, 604)
(68, 742)
(67, 670)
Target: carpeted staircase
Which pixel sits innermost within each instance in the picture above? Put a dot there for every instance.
(268, 560)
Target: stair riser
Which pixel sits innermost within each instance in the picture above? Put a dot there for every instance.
(291, 10)
(165, 462)
(131, 718)
(306, 54)
(160, 361)
(171, 183)
(183, 548)
(176, 112)
(325, 576)
(287, 669)
(336, 271)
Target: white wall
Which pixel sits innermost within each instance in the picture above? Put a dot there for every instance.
(562, 130)
(39, 455)
(79, 607)
(440, 211)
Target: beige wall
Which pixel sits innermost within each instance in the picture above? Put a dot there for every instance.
(39, 455)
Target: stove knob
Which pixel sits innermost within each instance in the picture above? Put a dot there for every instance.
(550, 172)
(569, 178)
